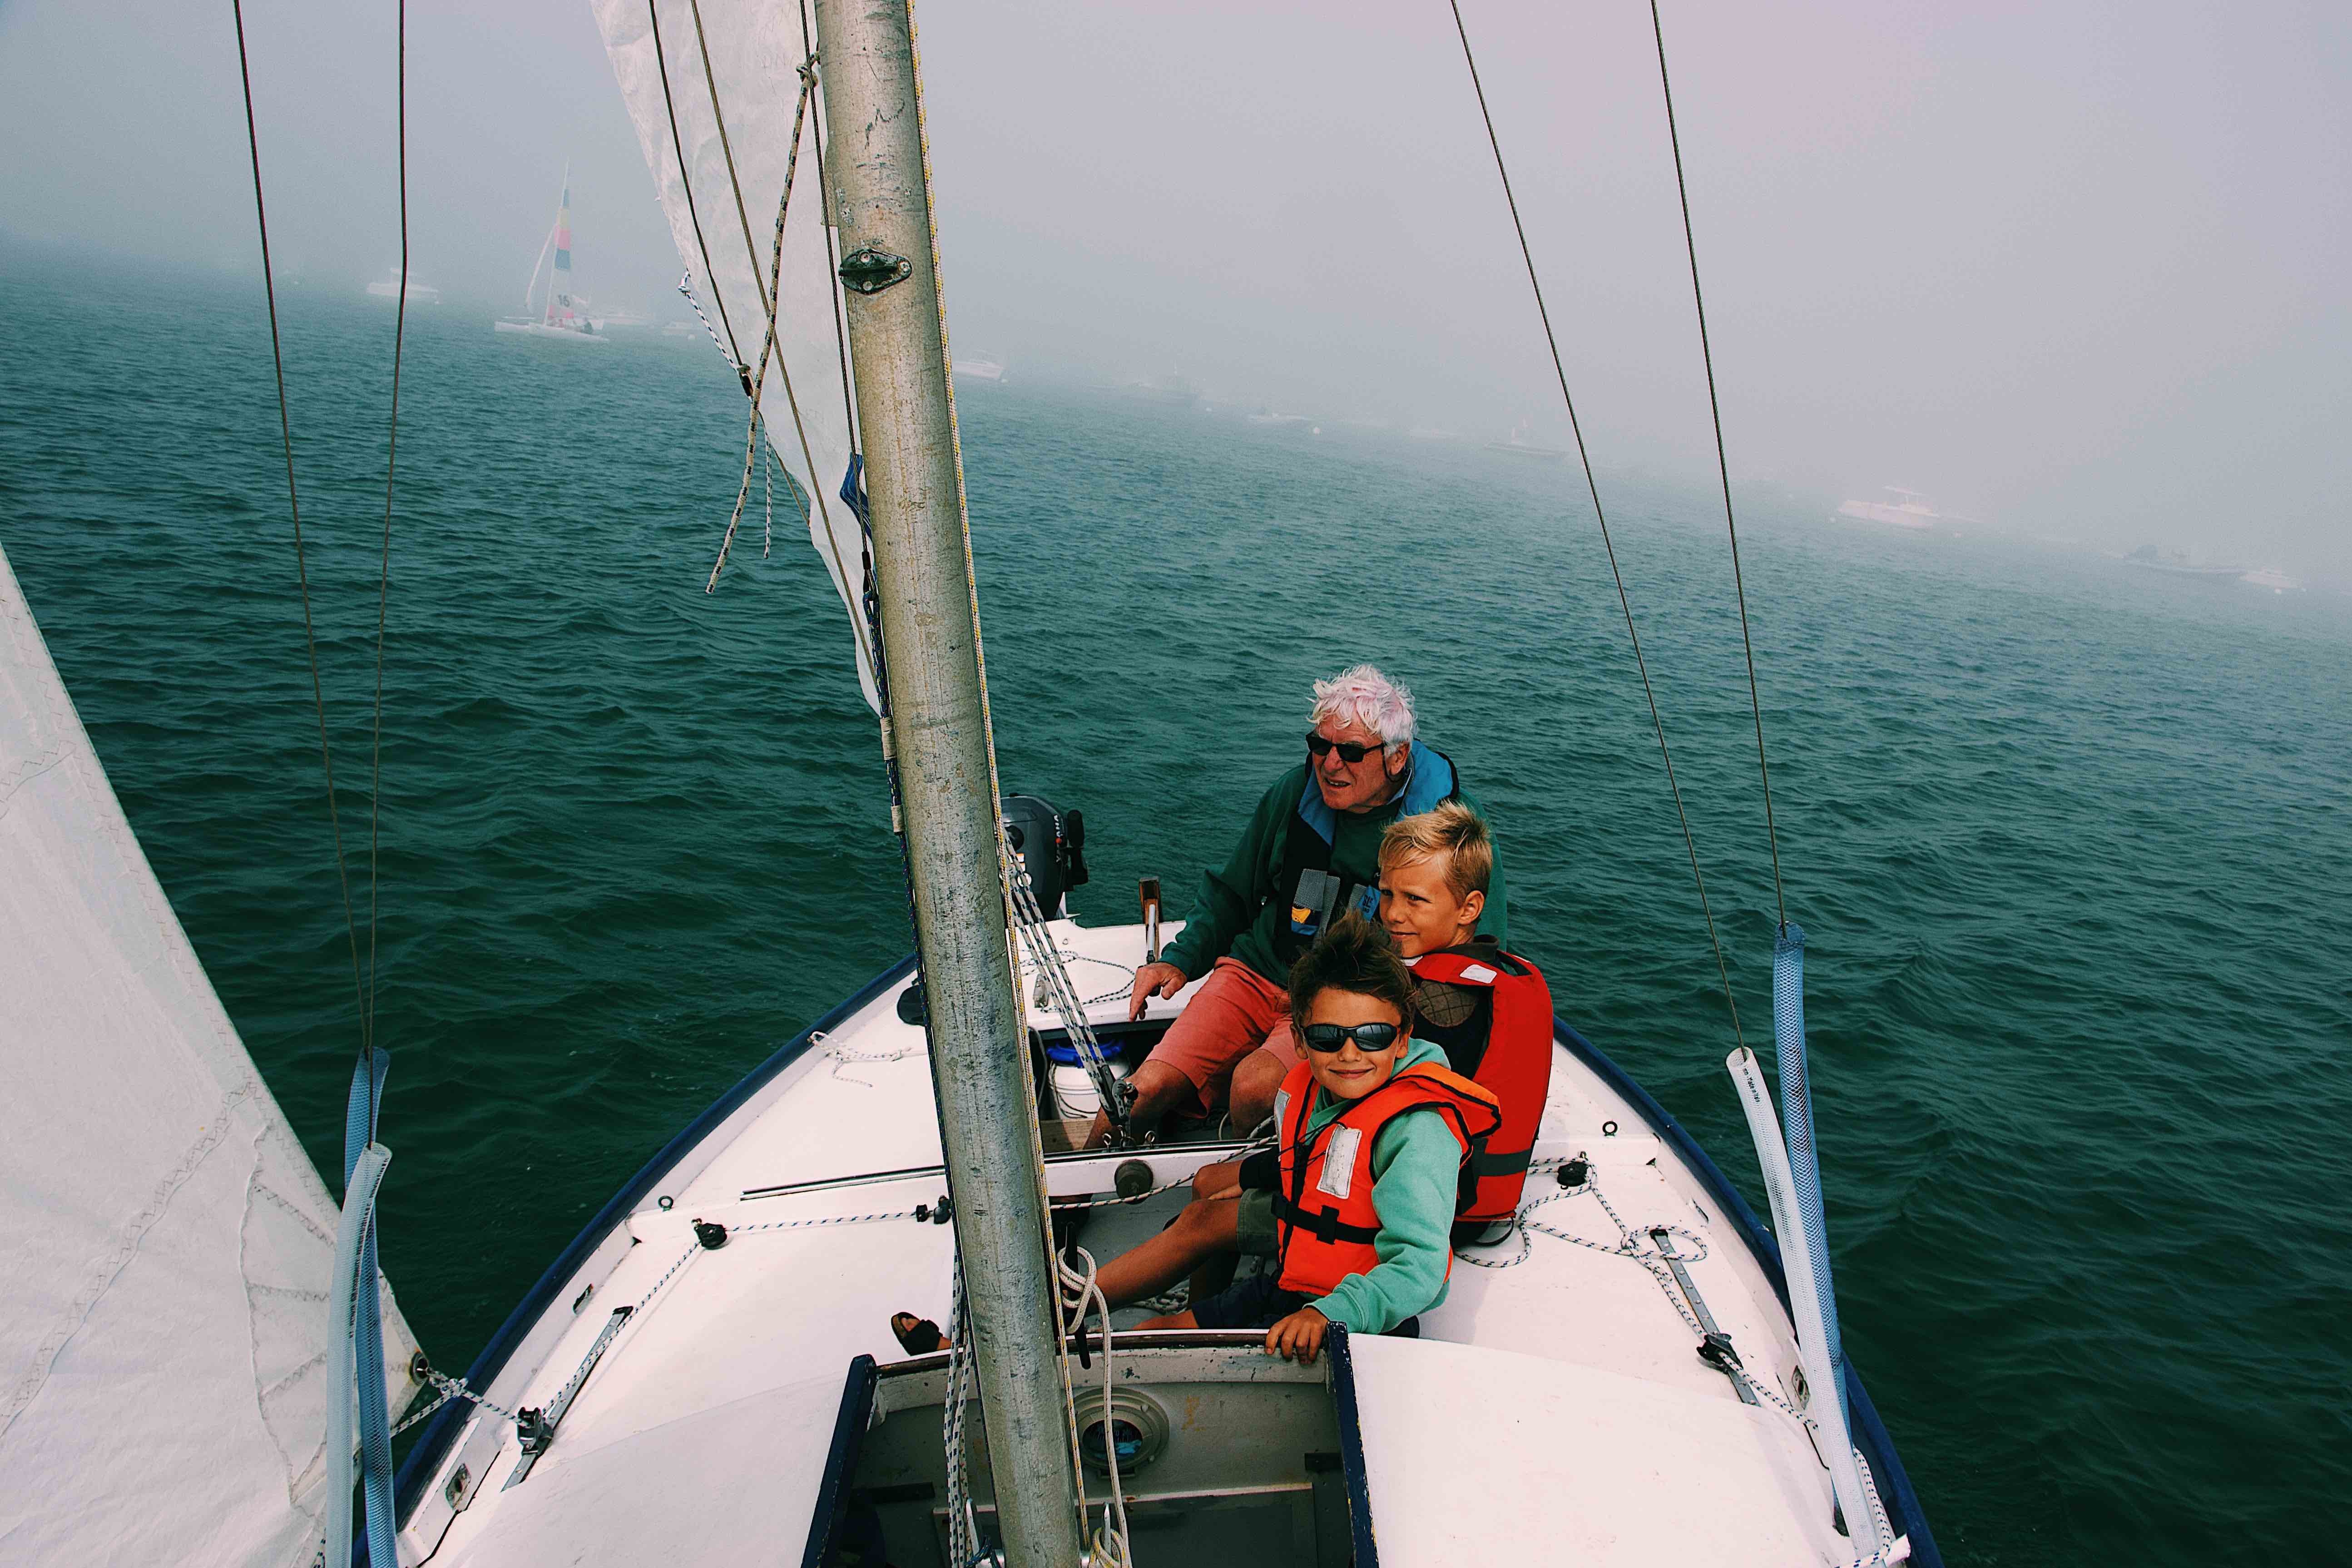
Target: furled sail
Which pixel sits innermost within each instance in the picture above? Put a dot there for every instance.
(165, 1246)
(738, 66)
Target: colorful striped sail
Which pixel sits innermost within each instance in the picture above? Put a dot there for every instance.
(560, 308)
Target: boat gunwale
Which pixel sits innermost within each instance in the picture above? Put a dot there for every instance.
(1869, 1431)
(425, 1461)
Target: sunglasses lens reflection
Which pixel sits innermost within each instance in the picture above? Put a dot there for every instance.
(1329, 1037)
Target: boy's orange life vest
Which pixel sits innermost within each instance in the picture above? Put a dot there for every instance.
(1516, 1069)
(1324, 1201)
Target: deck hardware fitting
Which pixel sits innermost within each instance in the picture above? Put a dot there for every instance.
(937, 1214)
(1609, 1130)
(581, 1299)
(454, 1494)
(1715, 1345)
(711, 1235)
(869, 270)
(1576, 1171)
(536, 1427)
(665, 1203)
(1133, 1178)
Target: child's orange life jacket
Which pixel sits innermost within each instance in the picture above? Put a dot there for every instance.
(1323, 1202)
(1516, 1069)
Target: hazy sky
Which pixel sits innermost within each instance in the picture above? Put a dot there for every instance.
(2076, 270)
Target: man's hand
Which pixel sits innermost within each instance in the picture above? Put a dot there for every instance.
(1298, 1337)
(1153, 980)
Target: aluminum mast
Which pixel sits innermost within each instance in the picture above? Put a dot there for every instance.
(923, 573)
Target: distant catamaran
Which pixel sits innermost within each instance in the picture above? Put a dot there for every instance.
(562, 313)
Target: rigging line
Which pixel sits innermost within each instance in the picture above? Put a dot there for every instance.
(742, 214)
(1722, 465)
(1624, 602)
(384, 579)
(832, 257)
(963, 499)
(686, 179)
(294, 502)
(774, 298)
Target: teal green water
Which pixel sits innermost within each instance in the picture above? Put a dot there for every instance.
(2070, 842)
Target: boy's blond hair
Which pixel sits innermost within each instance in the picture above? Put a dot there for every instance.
(1453, 830)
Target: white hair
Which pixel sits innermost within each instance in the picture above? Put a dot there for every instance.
(1366, 697)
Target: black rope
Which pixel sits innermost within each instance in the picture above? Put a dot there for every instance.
(1722, 465)
(384, 579)
(1593, 487)
(742, 214)
(685, 178)
(832, 257)
(294, 502)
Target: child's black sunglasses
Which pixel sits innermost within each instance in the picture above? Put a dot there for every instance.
(1329, 1037)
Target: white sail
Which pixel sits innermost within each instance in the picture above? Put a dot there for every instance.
(165, 1246)
(753, 57)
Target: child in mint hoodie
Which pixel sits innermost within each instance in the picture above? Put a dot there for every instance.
(1374, 1132)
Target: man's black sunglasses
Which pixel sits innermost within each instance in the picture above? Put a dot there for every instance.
(1329, 1037)
(1349, 751)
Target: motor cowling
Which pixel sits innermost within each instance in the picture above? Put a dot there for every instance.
(1051, 846)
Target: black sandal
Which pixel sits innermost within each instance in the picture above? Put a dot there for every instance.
(916, 1336)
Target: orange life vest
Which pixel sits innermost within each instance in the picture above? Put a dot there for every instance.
(1323, 1202)
(1516, 1068)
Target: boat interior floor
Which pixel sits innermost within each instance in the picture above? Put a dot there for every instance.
(1269, 1488)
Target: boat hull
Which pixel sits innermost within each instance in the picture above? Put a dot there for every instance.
(541, 1337)
(539, 329)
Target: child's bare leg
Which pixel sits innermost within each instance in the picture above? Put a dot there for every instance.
(1206, 1226)
(1172, 1321)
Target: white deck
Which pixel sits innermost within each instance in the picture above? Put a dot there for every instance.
(1567, 1405)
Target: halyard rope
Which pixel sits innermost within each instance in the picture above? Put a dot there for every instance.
(831, 258)
(686, 287)
(770, 295)
(1029, 920)
(686, 181)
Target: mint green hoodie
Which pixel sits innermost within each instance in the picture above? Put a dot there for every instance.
(1416, 1164)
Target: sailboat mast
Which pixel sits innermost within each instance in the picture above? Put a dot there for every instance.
(923, 581)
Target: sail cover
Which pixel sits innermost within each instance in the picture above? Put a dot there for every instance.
(165, 1246)
(740, 64)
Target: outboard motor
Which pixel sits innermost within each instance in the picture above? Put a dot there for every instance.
(1051, 844)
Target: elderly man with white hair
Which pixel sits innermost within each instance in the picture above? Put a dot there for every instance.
(1311, 850)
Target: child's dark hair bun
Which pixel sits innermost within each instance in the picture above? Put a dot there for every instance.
(1352, 955)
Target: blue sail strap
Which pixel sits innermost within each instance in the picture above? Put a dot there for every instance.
(1797, 1120)
(365, 1325)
